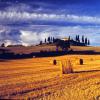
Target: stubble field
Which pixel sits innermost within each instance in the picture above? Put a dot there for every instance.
(39, 79)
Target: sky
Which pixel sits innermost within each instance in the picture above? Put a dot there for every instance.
(29, 21)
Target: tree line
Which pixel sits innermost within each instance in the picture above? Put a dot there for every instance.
(50, 40)
(83, 40)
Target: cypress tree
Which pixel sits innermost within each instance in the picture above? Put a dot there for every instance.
(49, 39)
(83, 39)
(40, 42)
(2, 45)
(76, 38)
(45, 40)
(53, 39)
(86, 41)
(69, 38)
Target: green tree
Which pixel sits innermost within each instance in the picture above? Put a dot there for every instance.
(76, 38)
(69, 38)
(83, 39)
(40, 42)
(45, 40)
(86, 41)
(2, 45)
(49, 39)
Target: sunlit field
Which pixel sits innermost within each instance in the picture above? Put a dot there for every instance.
(49, 47)
(39, 79)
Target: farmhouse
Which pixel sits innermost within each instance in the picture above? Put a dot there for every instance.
(73, 42)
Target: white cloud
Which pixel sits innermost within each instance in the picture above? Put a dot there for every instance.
(30, 37)
(31, 34)
(14, 16)
(34, 34)
(18, 7)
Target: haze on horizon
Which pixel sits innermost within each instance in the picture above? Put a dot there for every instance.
(29, 21)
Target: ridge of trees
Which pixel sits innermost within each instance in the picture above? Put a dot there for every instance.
(49, 40)
(77, 39)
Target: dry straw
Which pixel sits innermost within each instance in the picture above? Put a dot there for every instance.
(66, 67)
(81, 61)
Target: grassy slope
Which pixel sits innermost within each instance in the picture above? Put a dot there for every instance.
(79, 48)
(39, 78)
(30, 49)
(47, 48)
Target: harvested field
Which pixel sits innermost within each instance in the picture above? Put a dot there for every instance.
(49, 47)
(38, 78)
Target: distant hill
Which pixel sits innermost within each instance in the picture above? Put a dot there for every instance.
(49, 47)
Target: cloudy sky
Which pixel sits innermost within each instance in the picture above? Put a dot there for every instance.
(29, 21)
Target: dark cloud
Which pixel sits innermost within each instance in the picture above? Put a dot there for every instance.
(12, 36)
(54, 1)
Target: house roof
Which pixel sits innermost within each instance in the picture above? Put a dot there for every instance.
(64, 39)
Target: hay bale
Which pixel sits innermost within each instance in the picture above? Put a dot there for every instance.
(54, 62)
(66, 67)
(70, 66)
(91, 59)
(81, 61)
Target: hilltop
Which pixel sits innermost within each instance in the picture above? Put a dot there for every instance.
(50, 47)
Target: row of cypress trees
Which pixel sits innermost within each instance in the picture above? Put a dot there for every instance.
(83, 39)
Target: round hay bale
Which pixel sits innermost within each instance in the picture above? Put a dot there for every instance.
(69, 68)
(66, 67)
(54, 62)
(81, 61)
(91, 59)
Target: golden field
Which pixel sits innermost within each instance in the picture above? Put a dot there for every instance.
(49, 47)
(39, 79)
